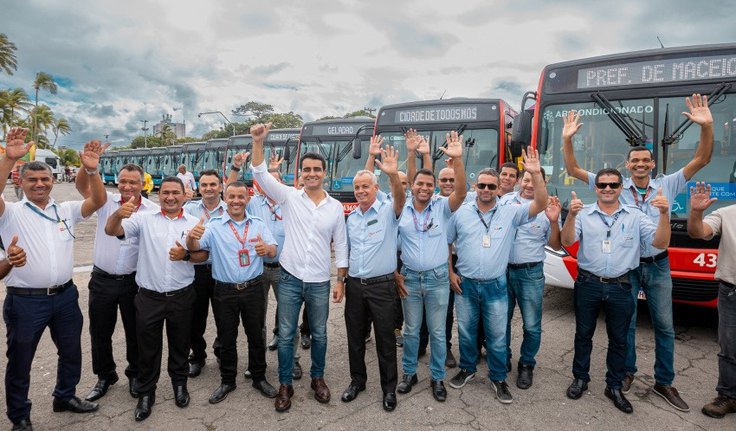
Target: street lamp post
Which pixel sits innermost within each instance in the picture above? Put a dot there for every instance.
(222, 115)
(145, 136)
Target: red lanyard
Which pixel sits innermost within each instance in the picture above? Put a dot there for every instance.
(273, 210)
(235, 231)
(636, 196)
(207, 212)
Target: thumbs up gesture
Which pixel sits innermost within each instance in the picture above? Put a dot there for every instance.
(575, 204)
(261, 247)
(260, 131)
(177, 252)
(197, 231)
(16, 255)
(127, 209)
(660, 202)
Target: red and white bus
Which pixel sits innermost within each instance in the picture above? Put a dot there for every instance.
(637, 98)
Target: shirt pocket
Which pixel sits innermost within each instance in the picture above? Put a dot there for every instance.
(629, 240)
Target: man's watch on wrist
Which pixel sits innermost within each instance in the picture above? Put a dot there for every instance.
(187, 256)
(234, 168)
(94, 171)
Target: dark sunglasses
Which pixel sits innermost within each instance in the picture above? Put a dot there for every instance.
(613, 186)
(483, 186)
(447, 180)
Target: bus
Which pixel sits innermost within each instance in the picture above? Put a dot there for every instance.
(238, 144)
(193, 158)
(106, 167)
(632, 99)
(334, 139)
(154, 165)
(486, 126)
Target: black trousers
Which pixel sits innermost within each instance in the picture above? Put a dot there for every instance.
(231, 306)
(374, 302)
(153, 311)
(204, 286)
(106, 296)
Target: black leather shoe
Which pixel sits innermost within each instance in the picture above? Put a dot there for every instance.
(296, 372)
(221, 392)
(306, 341)
(181, 396)
(265, 388)
(274, 343)
(75, 405)
(23, 425)
(438, 390)
(576, 389)
(406, 383)
(144, 407)
(352, 392)
(526, 376)
(101, 388)
(389, 401)
(619, 400)
(195, 368)
(132, 385)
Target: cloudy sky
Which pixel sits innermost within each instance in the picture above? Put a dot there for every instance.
(120, 62)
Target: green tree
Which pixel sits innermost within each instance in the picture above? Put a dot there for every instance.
(282, 121)
(60, 127)
(360, 113)
(12, 102)
(68, 156)
(140, 142)
(43, 81)
(43, 119)
(8, 61)
(166, 135)
(254, 109)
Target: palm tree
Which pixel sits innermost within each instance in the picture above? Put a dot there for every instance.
(8, 62)
(43, 118)
(11, 103)
(167, 135)
(60, 127)
(43, 81)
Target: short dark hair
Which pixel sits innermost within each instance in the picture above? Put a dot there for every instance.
(488, 171)
(544, 173)
(35, 165)
(210, 172)
(609, 171)
(314, 156)
(423, 171)
(511, 165)
(173, 180)
(237, 184)
(639, 148)
(132, 167)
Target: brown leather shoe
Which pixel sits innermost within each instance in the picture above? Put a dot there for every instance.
(626, 384)
(670, 394)
(321, 391)
(283, 399)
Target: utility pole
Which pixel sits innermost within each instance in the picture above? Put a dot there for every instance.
(369, 110)
(145, 129)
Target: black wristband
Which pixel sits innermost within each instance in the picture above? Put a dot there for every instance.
(233, 168)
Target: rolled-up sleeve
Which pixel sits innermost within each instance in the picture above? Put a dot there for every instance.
(271, 187)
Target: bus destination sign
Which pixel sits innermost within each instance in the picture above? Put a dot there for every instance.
(440, 114)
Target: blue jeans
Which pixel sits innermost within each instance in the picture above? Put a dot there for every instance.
(656, 281)
(526, 287)
(429, 292)
(487, 298)
(727, 341)
(316, 297)
(618, 304)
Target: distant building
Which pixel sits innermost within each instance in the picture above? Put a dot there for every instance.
(179, 129)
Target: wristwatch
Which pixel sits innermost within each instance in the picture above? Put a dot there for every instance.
(187, 256)
(234, 168)
(90, 172)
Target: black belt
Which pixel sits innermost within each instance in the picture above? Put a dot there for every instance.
(523, 265)
(374, 280)
(272, 264)
(240, 286)
(652, 259)
(614, 280)
(97, 271)
(203, 267)
(155, 294)
(46, 291)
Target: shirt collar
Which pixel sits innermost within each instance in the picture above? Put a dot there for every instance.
(51, 203)
(226, 218)
(375, 206)
(595, 208)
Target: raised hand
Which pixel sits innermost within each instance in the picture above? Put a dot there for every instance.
(422, 145)
(16, 147)
(389, 162)
(700, 198)
(127, 209)
(177, 252)
(275, 161)
(575, 205)
(660, 202)
(412, 140)
(198, 230)
(16, 255)
(553, 210)
(454, 145)
(572, 124)
(448, 162)
(699, 111)
(189, 193)
(261, 246)
(531, 160)
(90, 155)
(260, 131)
(374, 149)
(240, 158)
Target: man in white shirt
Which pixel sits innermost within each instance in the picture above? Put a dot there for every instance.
(187, 178)
(312, 221)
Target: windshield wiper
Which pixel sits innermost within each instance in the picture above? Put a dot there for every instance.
(623, 121)
(468, 144)
(437, 153)
(343, 152)
(713, 97)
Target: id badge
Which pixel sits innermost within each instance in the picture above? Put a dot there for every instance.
(244, 257)
(606, 246)
(486, 241)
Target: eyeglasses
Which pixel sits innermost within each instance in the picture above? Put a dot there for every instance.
(447, 180)
(489, 186)
(613, 186)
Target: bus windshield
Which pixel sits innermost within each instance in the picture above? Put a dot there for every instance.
(325, 148)
(346, 166)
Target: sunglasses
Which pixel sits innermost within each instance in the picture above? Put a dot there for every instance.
(613, 186)
(447, 180)
(483, 186)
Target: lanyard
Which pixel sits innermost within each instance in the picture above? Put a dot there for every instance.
(615, 217)
(39, 212)
(208, 214)
(636, 196)
(235, 231)
(425, 226)
(273, 210)
(482, 220)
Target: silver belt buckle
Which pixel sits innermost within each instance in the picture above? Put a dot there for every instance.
(241, 286)
(49, 292)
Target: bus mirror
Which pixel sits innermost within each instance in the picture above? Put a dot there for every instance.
(522, 132)
(357, 149)
(287, 153)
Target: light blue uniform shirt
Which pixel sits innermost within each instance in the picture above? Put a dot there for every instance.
(630, 232)
(260, 207)
(467, 230)
(528, 246)
(197, 209)
(672, 185)
(423, 235)
(224, 247)
(372, 240)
